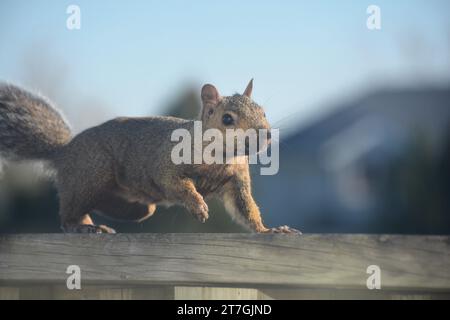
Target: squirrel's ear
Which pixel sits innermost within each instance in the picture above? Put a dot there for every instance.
(210, 96)
(249, 89)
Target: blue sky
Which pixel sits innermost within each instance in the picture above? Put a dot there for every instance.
(304, 55)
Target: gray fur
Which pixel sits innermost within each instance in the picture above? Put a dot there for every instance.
(30, 127)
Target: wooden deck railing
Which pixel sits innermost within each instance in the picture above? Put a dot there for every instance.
(230, 266)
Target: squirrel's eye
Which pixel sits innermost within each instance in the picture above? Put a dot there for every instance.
(227, 119)
(210, 111)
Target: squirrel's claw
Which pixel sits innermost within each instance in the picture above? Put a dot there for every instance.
(284, 229)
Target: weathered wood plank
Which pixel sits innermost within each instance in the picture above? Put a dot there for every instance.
(9, 293)
(211, 293)
(124, 292)
(236, 260)
(89, 292)
(340, 294)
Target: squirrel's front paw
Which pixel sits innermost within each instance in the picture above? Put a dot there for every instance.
(283, 229)
(200, 211)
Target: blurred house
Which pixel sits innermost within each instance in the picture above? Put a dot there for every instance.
(377, 164)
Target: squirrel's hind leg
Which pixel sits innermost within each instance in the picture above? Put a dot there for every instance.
(75, 220)
(118, 208)
(86, 225)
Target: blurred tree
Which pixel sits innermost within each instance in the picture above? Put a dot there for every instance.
(187, 105)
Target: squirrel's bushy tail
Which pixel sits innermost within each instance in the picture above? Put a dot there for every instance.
(30, 128)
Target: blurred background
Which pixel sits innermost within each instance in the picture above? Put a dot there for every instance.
(364, 115)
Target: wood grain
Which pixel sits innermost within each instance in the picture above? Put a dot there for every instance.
(411, 263)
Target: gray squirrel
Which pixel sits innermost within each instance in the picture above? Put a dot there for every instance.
(122, 168)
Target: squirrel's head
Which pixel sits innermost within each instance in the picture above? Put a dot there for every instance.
(232, 112)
